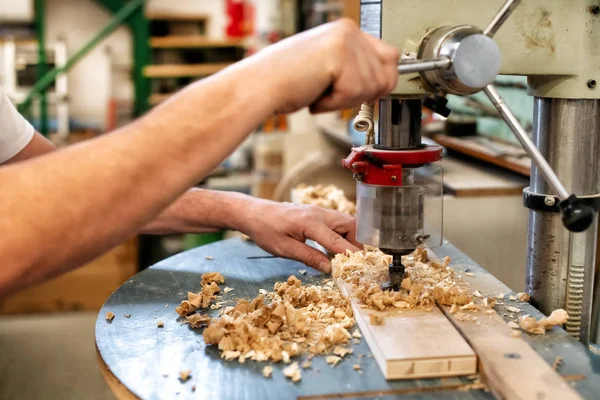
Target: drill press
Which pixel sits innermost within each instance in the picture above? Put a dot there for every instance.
(552, 42)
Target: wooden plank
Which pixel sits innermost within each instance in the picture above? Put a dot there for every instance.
(463, 179)
(176, 16)
(192, 41)
(157, 98)
(512, 369)
(519, 165)
(183, 70)
(408, 345)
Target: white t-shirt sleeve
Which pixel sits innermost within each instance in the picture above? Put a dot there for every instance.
(15, 131)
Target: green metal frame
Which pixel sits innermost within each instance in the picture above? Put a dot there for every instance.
(42, 66)
(128, 12)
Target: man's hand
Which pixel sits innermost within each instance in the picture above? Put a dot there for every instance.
(331, 67)
(282, 228)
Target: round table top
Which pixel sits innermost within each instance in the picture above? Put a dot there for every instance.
(141, 360)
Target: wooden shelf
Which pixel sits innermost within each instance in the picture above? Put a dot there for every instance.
(158, 98)
(176, 16)
(191, 41)
(476, 150)
(182, 70)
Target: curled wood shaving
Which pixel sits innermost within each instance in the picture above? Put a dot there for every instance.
(333, 360)
(227, 289)
(307, 364)
(427, 281)
(375, 319)
(293, 372)
(477, 293)
(160, 324)
(197, 320)
(110, 316)
(201, 299)
(209, 258)
(267, 371)
(513, 325)
(210, 277)
(558, 362)
(302, 271)
(329, 197)
(500, 296)
(342, 351)
(523, 297)
(127, 315)
(513, 309)
(185, 375)
(531, 325)
(356, 334)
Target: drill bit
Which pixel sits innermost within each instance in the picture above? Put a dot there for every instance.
(396, 272)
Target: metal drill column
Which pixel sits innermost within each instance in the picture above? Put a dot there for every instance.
(560, 264)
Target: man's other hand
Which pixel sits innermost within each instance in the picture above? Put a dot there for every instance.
(282, 229)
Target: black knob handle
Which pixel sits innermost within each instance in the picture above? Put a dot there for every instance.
(577, 216)
(437, 104)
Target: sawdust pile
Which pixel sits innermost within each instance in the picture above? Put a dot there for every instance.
(329, 197)
(427, 281)
(531, 325)
(291, 320)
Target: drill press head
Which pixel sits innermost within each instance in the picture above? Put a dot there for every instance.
(399, 194)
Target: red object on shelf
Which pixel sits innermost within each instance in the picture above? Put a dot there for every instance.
(236, 11)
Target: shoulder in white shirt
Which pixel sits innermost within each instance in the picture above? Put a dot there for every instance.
(15, 131)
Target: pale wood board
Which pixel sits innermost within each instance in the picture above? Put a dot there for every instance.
(192, 41)
(511, 368)
(415, 343)
(183, 70)
(525, 376)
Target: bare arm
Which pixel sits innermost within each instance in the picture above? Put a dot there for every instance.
(62, 209)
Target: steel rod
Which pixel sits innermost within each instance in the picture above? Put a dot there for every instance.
(501, 17)
(526, 142)
(407, 67)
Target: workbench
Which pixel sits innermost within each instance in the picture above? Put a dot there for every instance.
(139, 359)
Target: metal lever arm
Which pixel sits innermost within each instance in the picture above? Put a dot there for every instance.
(576, 215)
(410, 66)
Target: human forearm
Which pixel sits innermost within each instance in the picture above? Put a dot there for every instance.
(200, 210)
(82, 200)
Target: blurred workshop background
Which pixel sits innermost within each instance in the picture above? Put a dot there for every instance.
(80, 68)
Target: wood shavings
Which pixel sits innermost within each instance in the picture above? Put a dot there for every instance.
(356, 334)
(267, 371)
(558, 362)
(356, 366)
(185, 375)
(376, 319)
(513, 309)
(454, 308)
(227, 289)
(531, 325)
(489, 311)
(333, 360)
(209, 258)
(201, 299)
(428, 282)
(356, 341)
(298, 319)
(469, 307)
(110, 316)
(500, 296)
(263, 292)
(487, 302)
(293, 372)
(160, 324)
(302, 271)
(512, 298)
(307, 364)
(469, 274)
(329, 197)
(342, 351)
(127, 315)
(217, 305)
(210, 277)
(523, 297)
(477, 293)
(197, 320)
(513, 325)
